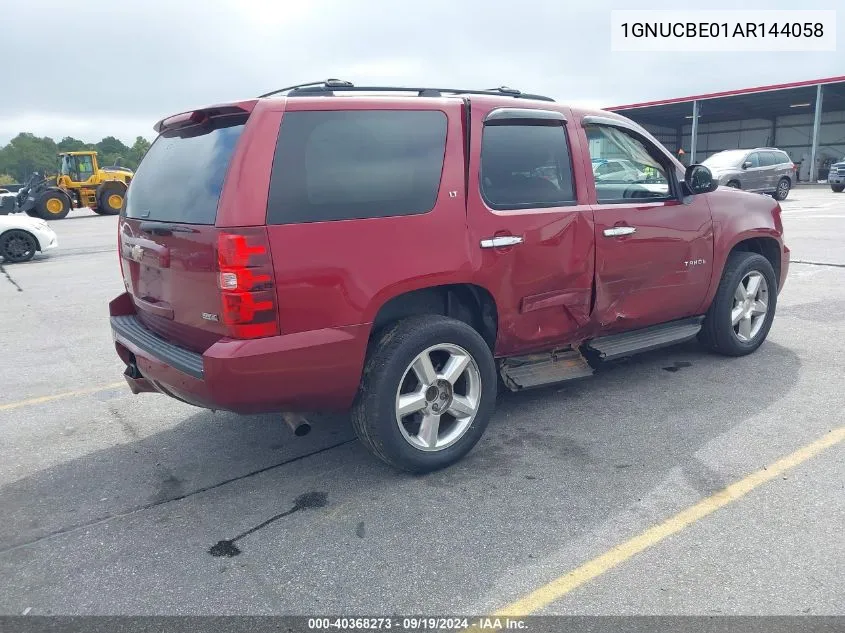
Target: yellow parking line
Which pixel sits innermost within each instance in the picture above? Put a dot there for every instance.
(562, 585)
(57, 396)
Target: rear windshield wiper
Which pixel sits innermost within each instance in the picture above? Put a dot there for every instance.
(163, 228)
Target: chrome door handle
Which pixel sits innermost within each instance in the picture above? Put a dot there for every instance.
(499, 242)
(617, 231)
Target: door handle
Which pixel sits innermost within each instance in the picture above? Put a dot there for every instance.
(501, 241)
(618, 231)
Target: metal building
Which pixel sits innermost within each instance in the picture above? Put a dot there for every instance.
(806, 119)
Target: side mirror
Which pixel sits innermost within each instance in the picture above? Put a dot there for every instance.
(746, 164)
(699, 179)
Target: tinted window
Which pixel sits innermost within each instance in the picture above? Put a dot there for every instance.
(525, 166)
(777, 158)
(181, 176)
(754, 159)
(341, 165)
(767, 159)
(637, 172)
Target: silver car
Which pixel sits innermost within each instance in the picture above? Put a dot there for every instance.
(836, 177)
(763, 170)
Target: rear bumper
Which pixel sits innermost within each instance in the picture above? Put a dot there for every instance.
(317, 370)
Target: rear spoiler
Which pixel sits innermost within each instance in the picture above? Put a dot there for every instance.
(201, 115)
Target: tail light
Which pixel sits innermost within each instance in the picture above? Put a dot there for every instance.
(247, 286)
(120, 250)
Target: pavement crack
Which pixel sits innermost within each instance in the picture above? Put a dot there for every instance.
(305, 501)
(124, 423)
(154, 504)
(9, 277)
(801, 261)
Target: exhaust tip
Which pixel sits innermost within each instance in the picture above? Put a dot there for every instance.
(297, 424)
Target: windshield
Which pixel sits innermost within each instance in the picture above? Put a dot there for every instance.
(725, 159)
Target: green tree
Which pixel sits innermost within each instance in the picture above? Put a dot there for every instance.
(70, 144)
(27, 153)
(111, 151)
(7, 179)
(137, 151)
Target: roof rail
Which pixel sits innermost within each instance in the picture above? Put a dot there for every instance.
(330, 86)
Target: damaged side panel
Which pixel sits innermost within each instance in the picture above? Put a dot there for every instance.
(544, 286)
(542, 283)
(656, 274)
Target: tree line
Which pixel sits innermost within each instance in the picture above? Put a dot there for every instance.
(27, 153)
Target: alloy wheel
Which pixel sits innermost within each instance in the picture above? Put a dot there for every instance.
(750, 306)
(438, 397)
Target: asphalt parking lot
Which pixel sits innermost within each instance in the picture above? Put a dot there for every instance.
(111, 502)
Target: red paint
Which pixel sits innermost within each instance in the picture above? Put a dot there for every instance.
(729, 93)
(565, 283)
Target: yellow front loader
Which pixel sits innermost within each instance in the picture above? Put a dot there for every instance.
(80, 183)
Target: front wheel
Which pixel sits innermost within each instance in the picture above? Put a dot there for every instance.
(837, 188)
(741, 314)
(53, 205)
(782, 189)
(734, 184)
(17, 246)
(427, 393)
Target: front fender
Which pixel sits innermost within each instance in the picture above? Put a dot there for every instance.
(739, 216)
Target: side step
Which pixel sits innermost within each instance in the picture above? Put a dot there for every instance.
(534, 370)
(654, 337)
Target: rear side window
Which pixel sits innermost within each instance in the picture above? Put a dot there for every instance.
(776, 158)
(353, 164)
(768, 159)
(181, 176)
(526, 166)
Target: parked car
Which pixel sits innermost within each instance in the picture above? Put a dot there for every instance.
(762, 170)
(22, 236)
(836, 177)
(398, 256)
(609, 169)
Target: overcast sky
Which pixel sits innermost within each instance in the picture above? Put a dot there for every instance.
(95, 68)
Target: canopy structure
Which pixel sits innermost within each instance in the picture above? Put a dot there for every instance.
(806, 119)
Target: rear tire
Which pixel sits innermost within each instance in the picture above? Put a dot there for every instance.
(838, 188)
(734, 325)
(391, 384)
(110, 198)
(782, 190)
(53, 205)
(17, 246)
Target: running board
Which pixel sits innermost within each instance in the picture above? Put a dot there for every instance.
(654, 337)
(535, 370)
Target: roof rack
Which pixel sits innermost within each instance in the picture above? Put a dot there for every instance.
(330, 86)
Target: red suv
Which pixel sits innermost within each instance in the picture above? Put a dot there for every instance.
(406, 254)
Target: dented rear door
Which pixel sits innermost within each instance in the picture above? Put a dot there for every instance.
(531, 228)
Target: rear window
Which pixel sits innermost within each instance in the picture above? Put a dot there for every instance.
(343, 165)
(181, 176)
(778, 158)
